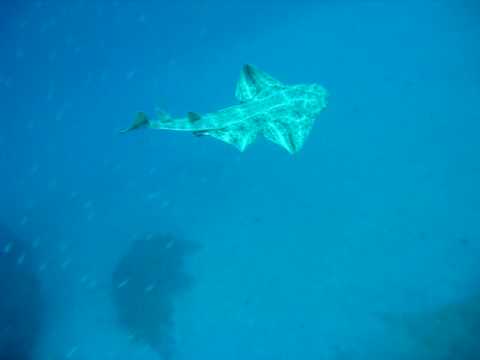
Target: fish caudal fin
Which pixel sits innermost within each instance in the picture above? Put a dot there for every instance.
(140, 121)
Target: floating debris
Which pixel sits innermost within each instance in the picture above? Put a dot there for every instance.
(153, 195)
(42, 267)
(123, 283)
(152, 171)
(169, 244)
(92, 284)
(142, 18)
(63, 247)
(34, 169)
(66, 263)
(72, 351)
(7, 248)
(36, 243)
(21, 259)
(131, 74)
(149, 288)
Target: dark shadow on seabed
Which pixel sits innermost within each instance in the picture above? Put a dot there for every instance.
(145, 285)
(21, 299)
(448, 332)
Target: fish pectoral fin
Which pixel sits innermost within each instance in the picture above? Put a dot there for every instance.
(290, 135)
(254, 81)
(141, 120)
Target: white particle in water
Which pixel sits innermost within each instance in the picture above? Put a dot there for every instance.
(7, 248)
(123, 283)
(21, 259)
(149, 288)
(72, 351)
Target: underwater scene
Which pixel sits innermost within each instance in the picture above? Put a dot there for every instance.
(240, 179)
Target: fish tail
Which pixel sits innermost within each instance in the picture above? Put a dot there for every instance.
(140, 121)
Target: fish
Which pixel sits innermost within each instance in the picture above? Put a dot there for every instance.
(283, 114)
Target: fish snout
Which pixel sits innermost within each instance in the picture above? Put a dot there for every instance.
(316, 99)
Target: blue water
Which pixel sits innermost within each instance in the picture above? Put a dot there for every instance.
(163, 245)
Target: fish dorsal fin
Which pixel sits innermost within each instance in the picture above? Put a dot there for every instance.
(252, 82)
(193, 117)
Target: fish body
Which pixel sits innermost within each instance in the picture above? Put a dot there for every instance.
(282, 114)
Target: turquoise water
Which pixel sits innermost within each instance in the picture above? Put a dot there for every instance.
(163, 245)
